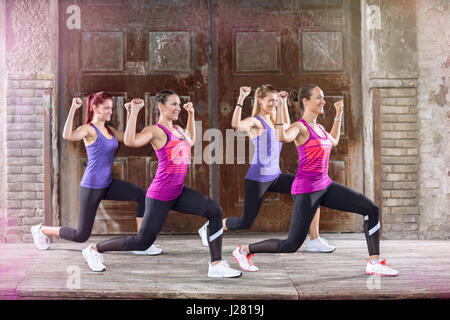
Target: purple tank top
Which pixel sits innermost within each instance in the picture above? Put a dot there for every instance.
(265, 165)
(98, 173)
(313, 157)
(173, 164)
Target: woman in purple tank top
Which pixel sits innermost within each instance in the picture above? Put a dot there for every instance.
(101, 141)
(313, 187)
(167, 191)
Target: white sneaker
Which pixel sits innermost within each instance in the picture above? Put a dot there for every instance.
(94, 259)
(203, 232)
(244, 260)
(380, 268)
(222, 270)
(319, 245)
(151, 251)
(309, 239)
(41, 241)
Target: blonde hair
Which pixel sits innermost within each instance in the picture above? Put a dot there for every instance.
(260, 93)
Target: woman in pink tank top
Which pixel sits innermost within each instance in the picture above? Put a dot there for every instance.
(167, 191)
(313, 187)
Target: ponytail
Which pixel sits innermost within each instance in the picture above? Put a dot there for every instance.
(89, 110)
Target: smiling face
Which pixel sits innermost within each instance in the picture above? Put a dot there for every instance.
(316, 103)
(103, 111)
(269, 102)
(171, 108)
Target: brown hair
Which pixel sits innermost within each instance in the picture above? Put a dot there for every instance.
(294, 112)
(305, 92)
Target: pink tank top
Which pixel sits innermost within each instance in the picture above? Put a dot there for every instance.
(173, 165)
(313, 157)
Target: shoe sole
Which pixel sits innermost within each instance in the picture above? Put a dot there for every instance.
(84, 256)
(381, 274)
(142, 253)
(147, 254)
(241, 266)
(212, 276)
(318, 251)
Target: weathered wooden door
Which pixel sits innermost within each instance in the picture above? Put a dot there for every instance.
(135, 48)
(289, 44)
(131, 48)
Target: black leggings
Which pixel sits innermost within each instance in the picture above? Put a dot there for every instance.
(254, 195)
(156, 211)
(335, 196)
(89, 201)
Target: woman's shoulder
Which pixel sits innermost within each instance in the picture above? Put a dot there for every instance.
(257, 121)
(88, 127)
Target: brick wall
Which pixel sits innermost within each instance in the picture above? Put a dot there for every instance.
(28, 65)
(24, 154)
(399, 154)
(2, 127)
(433, 17)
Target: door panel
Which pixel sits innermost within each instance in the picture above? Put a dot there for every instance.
(132, 49)
(289, 44)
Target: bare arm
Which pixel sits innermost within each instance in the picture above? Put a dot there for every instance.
(335, 132)
(68, 132)
(286, 118)
(121, 134)
(190, 127)
(237, 122)
(285, 132)
(131, 139)
(247, 124)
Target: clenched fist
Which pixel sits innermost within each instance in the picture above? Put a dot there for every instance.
(283, 95)
(244, 91)
(189, 107)
(339, 107)
(76, 103)
(137, 104)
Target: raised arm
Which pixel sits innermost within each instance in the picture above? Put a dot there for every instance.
(68, 132)
(190, 127)
(120, 134)
(131, 139)
(283, 95)
(335, 132)
(285, 132)
(236, 122)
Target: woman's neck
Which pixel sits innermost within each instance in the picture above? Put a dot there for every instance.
(309, 117)
(264, 115)
(98, 123)
(165, 122)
